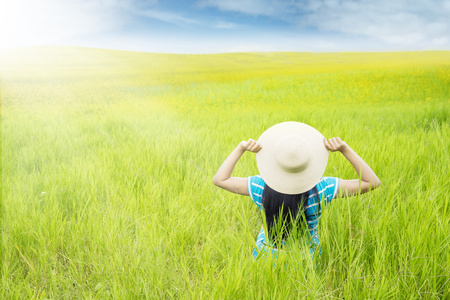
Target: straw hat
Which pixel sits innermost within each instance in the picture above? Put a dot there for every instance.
(292, 158)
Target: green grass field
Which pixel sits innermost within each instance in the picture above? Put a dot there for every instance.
(108, 158)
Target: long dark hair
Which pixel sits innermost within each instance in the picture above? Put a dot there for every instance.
(290, 208)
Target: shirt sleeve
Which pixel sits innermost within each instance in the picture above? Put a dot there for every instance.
(255, 186)
(328, 188)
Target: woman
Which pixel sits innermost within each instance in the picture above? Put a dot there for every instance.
(291, 159)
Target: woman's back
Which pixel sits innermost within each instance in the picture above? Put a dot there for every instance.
(322, 193)
(293, 136)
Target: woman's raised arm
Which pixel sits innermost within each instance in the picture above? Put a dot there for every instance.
(369, 179)
(223, 177)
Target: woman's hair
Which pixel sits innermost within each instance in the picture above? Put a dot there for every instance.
(289, 207)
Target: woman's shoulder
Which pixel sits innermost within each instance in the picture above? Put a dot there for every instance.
(328, 180)
(327, 186)
(255, 186)
(256, 182)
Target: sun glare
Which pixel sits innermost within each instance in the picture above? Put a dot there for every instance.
(50, 22)
(16, 23)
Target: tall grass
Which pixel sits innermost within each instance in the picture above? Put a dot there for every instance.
(108, 159)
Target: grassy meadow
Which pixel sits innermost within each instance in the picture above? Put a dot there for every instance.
(108, 159)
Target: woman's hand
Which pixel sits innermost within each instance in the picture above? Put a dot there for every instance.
(335, 144)
(250, 145)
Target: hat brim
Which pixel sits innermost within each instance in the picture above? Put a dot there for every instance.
(275, 176)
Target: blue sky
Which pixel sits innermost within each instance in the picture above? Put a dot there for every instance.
(213, 26)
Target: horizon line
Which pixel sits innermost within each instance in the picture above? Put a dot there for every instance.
(11, 49)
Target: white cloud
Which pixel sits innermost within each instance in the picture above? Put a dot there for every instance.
(396, 22)
(169, 17)
(250, 7)
(399, 23)
(224, 25)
